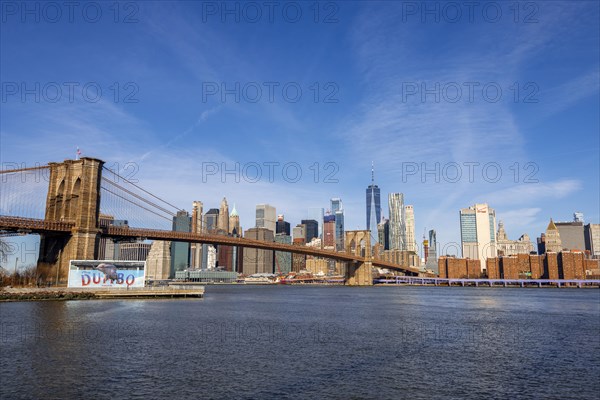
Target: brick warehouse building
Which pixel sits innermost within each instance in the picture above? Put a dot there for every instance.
(562, 265)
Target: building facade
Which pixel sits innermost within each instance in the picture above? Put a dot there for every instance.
(373, 210)
(266, 217)
(478, 232)
(258, 260)
(507, 247)
(311, 229)
(397, 218)
(180, 251)
(409, 226)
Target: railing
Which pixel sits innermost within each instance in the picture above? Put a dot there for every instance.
(19, 223)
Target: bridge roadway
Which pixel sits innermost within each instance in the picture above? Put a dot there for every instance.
(30, 225)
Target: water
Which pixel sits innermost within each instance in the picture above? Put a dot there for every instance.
(308, 342)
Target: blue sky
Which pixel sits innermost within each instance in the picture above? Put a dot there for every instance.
(368, 62)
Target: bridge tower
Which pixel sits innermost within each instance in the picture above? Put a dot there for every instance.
(359, 273)
(73, 196)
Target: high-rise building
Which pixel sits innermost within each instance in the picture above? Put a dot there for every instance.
(339, 230)
(283, 259)
(373, 206)
(571, 235)
(223, 224)
(211, 221)
(478, 233)
(234, 223)
(196, 248)
(397, 221)
(312, 229)
(317, 214)
(336, 205)
(266, 217)
(432, 262)
(552, 240)
(592, 239)
(329, 230)
(258, 260)
(299, 232)
(383, 233)
(282, 226)
(578, 216)
(180, 251)
(409, 228)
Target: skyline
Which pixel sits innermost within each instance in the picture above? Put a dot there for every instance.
(172, 57)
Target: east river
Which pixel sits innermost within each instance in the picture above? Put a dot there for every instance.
(260, 342)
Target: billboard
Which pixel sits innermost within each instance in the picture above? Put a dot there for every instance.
(106, 274)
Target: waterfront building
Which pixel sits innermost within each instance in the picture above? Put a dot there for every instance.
(180, 251)
(397, 221)
(373, 210)
(592, 240)
(283, 259)
(258, 260)
(266, 217)
(478, 232)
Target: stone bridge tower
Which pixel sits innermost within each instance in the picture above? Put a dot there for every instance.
(73, 196)
(359, 273)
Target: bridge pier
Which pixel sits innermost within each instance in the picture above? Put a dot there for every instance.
(359, 274)
(73, 196)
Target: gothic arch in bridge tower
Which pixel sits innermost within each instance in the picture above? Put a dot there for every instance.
(359, 243)
(74, 197)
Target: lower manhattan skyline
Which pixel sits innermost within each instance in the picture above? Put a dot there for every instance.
(530, 160)
(313, 199)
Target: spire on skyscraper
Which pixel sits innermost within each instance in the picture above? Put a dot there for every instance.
(372, 173)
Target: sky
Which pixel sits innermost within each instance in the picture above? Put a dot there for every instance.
(453, 104)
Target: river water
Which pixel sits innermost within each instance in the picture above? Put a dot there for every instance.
(257, 342)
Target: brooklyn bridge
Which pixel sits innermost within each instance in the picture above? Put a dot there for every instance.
(62, 203)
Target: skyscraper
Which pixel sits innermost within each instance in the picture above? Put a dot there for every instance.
(409, 228)
(553, 240)
(432, 262)
(383, 231)
(312, 229)
(234, 223)
(282, 226)
(283, 259)
(180, 251)
(337, 210)
(397, 218)
(478, 233)
(266, 217)
(223, 224)
(329, 230)
(373, 206)
(196, 248)
(336, 205)
(339, 230)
